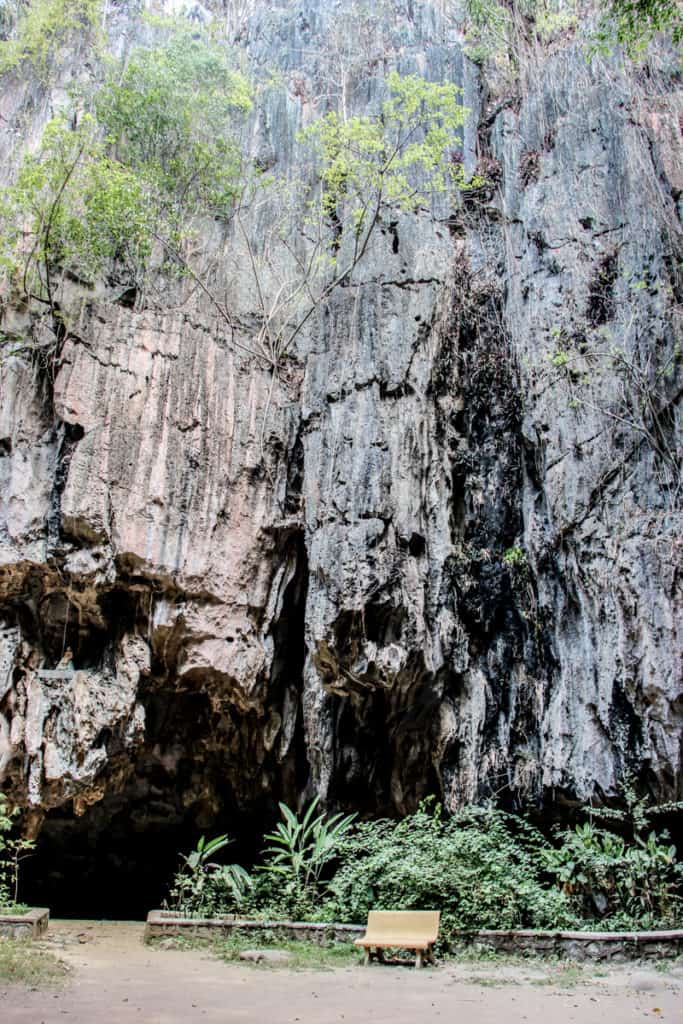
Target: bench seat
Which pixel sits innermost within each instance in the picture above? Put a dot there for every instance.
(400, 929)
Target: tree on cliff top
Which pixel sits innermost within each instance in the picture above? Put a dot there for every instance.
(121, 194)
(104, 188)
(45, 30)
(364, 167)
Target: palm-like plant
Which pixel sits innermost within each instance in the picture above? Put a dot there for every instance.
(300, 848)
(198, 859)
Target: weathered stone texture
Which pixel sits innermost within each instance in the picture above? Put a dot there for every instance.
(271, 596)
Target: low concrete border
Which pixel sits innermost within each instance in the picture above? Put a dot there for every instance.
(168, 922)
(30, 925)
(572, 945)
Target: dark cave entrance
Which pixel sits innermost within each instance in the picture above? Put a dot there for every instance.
(203, 770)
(118, 860)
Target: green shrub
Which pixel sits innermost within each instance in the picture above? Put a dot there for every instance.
(629, 885)
(633, 24)
(74, 209)
(626, 877)
(482, 868)
(172, 117)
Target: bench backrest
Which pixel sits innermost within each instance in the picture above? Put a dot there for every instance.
(418, 924)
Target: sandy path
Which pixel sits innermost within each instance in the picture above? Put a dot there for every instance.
(118, 980)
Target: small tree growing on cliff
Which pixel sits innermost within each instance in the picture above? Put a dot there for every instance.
(122, 191)
(365, 168)
(107, 188)
(43, 32)
(71, 210)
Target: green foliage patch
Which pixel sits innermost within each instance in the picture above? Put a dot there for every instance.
(73, 209)
(202, 887)
(397, 158)
(496, 31)
(481, 867)
(172, 117)
(44, 29)
(624, 877)
(634, 23)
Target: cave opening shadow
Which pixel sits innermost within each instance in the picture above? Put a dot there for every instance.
(108, 865)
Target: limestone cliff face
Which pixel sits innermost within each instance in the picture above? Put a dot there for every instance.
(444, 555)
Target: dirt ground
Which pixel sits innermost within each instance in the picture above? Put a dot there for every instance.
(116, 979)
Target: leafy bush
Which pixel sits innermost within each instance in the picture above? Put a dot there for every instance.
(203, 888)
(631, 885)
(482, 868)
(73, 209)
(629, 878)
(634, 23)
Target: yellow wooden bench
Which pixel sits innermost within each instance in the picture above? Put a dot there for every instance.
(401, 929)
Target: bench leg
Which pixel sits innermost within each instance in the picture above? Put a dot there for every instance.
(380, 954)
(419, 959)
(366, 958)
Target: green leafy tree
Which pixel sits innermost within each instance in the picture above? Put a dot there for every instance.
(13, 849)
(72, 213)
(108, 189)
(173, 117)
(44, 30)
(634, 23)
(396, 159)
(366, 167)
(480, 867)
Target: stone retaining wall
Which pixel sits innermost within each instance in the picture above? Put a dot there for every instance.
(163, 922)
(30, 925)
(615, 946)
(573, 945)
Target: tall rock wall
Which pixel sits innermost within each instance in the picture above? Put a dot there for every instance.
(441, 553)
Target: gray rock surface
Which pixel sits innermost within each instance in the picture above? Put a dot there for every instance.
(445, 554)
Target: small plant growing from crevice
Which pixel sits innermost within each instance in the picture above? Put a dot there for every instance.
(515, 557)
